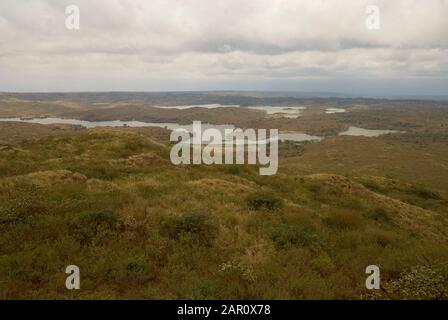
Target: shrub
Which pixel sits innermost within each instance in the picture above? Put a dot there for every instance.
(263, 199)
(285, 235)
(107, 219)
(343, 220)
(129, 147)
(372, 185)
(101, 224)
(424, 193)
(379, 214)
(97, 169)
(26, 202)
(135, 267)
(232, 170)
(315, 187)
(381, 237)
(198, 227)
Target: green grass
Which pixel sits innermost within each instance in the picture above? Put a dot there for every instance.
(157, 231)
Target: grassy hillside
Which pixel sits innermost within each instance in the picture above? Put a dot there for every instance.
(111, 202)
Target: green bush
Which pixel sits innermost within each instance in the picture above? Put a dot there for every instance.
(97, 169)
(232, 170)
(263, 199)
(198, 227)
(26, 202)
(96, 225)
(315, 187)
(372, 185)
(108, 219)
(380, 236)
(424, 193)
(343, 220)
(379, 214)
(285, 235)
(135, 267)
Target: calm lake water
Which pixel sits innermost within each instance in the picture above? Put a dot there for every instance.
(285, 136)
(286, 112)
(92, 124)
(206, 106)
(334, 110)
(355, 131)
(282, 136)
(297, 137)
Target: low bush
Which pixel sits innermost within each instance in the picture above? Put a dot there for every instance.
(424, 193)
(96, 225)
(285, 235)
(198, 227)
(97, 169)
(26, 202)
(135, 267)
(232, 170)
(264, 199)
(381, 237)
(343, 220)
(379, 215)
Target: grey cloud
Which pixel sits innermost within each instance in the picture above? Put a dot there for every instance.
(201, 40)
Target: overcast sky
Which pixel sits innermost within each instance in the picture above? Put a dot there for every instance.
(154, 45)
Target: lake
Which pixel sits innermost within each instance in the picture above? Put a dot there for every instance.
(286, 112)
(283, 136)
(334, 110)
(297, 137)
(206, 106)
(355, 131)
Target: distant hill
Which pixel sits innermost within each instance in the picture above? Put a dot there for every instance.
(242, 98)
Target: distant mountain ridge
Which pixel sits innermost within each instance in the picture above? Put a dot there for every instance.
(243, 98)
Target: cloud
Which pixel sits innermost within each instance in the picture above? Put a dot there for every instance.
(202, 40)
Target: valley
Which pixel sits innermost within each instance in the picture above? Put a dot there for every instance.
(108, 199)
